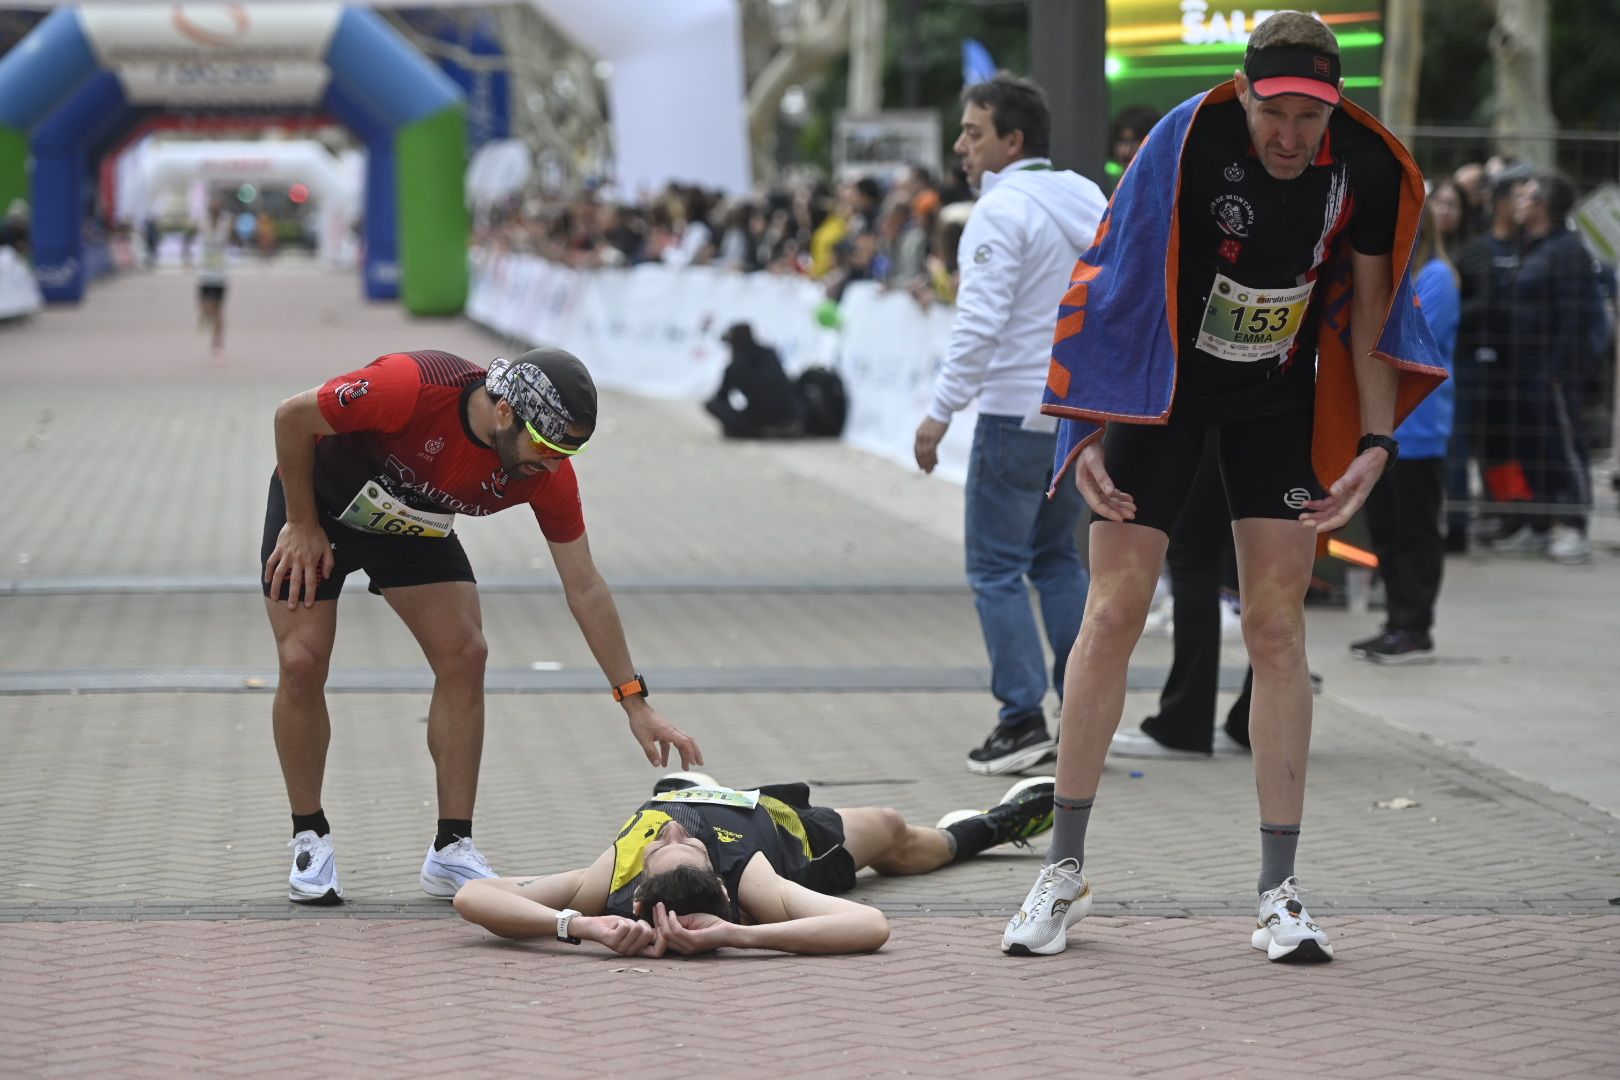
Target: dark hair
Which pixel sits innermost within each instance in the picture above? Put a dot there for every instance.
(1138, 119)
(1465, 207)
(685, 890)
(1554, 189)
(1015, 104)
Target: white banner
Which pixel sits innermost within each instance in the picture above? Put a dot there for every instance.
(223, 54)
(655, 330)
(19, 292)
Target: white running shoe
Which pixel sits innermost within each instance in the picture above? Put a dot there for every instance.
(314, 878)
(443, 872)
(1285, 930)
(1059, 899)
(1569, 545)
(1139, 744)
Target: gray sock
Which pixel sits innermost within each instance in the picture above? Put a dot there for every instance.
(1277, 844)
(1069, 818)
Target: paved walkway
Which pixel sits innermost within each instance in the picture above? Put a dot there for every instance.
(799, 608)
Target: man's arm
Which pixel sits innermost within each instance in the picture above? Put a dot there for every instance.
(302, 554)
(1376, 382)
(987, 258)
(525, 908)
(598, 618)
(787, 918)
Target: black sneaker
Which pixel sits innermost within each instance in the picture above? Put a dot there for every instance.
(1011, 748)
(1396, 647)
(1025, 811)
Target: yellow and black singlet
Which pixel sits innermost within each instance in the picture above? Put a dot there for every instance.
(732, 824)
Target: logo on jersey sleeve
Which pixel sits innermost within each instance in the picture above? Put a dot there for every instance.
(1234, 214)
(350, 392)
(981, 254)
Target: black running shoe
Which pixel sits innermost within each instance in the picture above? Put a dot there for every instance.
(1395, 647)
(1011, 748)
(1024, 812)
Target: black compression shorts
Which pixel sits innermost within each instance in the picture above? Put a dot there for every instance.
(211, 292)
(390, 561)
(1265, 462)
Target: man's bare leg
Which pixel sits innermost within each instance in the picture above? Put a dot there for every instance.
(447, 622)
(1274, 571)
(1125, 562)
(302, 728)
(879, 837)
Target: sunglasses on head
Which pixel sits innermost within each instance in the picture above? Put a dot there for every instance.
(549, 449)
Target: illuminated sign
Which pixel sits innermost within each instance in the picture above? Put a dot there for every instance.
(1162, 52)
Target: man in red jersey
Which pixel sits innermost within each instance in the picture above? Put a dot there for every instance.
(372, 469)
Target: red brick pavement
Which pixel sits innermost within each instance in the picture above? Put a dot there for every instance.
(1440, 997)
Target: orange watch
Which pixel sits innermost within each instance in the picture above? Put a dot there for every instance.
(635, 686)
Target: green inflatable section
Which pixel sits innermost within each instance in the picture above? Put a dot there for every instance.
(13, 166)
(430, 161)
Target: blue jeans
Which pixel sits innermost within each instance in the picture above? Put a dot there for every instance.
(1014, 532)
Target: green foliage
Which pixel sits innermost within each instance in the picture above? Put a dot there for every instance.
(937, 60)
(1458, 81)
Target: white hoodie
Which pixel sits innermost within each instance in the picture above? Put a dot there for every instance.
(1016, 256)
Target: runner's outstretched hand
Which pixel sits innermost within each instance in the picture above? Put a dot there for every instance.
(656, 735)
(1348, 492)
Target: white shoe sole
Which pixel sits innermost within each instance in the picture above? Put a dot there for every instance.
(1308, 951)
(1024, 759)
(1401, 660)
(1024, 785)
(439, 888)
(1079, 909)
(1140, 746)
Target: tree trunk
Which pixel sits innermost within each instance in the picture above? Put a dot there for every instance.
(818, 40)
(866, 33)
(1403, 64)
(1525, 125)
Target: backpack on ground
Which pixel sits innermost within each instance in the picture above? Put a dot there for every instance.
(821, 392)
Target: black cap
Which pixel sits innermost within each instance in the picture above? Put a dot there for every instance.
(1293, 69)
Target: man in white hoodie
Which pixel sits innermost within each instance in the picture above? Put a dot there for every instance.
(1027, 230)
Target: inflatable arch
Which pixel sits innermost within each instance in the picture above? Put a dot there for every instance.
(86, 75)
(170, 168)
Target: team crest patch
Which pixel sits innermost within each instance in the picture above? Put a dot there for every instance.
(1231, 249)
(433, 446)
(1234, 214)
(350, 392)
(1234, 173)
(981, 254)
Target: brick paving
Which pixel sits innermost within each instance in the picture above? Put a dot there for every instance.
(146, 932)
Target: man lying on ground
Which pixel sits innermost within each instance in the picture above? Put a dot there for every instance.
(700, 867)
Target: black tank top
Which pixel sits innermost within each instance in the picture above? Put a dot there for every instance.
(733, 825)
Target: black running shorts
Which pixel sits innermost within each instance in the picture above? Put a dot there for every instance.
(211, 292)
(390, 561)
(831, 869)
(1265, 462)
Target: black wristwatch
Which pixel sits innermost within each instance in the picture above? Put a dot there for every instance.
(1383, 442)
